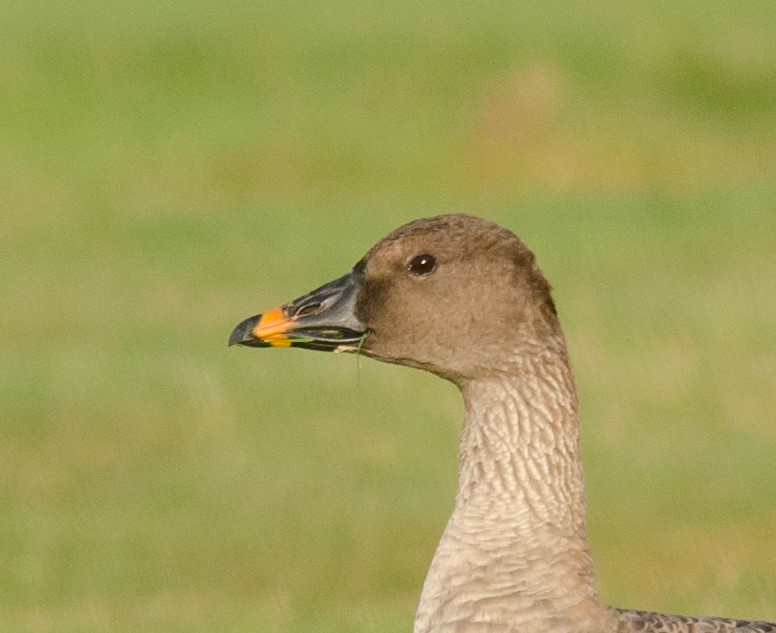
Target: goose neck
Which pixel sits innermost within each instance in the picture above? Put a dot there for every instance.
(520, 448)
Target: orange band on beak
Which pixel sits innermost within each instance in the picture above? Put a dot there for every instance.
(272, 328)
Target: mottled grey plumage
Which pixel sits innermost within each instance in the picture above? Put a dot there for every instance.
(514, 557)
(635, 621)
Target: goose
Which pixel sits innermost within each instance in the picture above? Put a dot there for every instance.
(463, 298)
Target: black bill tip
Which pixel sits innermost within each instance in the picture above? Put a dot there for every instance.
(243, 333)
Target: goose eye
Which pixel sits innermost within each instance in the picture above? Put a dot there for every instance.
(421, 265)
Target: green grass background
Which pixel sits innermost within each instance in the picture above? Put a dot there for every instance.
(167, 169)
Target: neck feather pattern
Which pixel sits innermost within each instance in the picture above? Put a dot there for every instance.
(514, 555)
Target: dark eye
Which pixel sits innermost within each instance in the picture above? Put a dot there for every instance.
(421, 265)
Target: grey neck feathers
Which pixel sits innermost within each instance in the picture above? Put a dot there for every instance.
(514, 555)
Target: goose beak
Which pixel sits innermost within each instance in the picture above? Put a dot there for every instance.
(323, 319)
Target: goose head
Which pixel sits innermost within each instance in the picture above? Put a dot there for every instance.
(455, 295)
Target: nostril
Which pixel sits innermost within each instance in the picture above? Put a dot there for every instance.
(307, 309)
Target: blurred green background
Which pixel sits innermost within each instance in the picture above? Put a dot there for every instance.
(167, 169)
